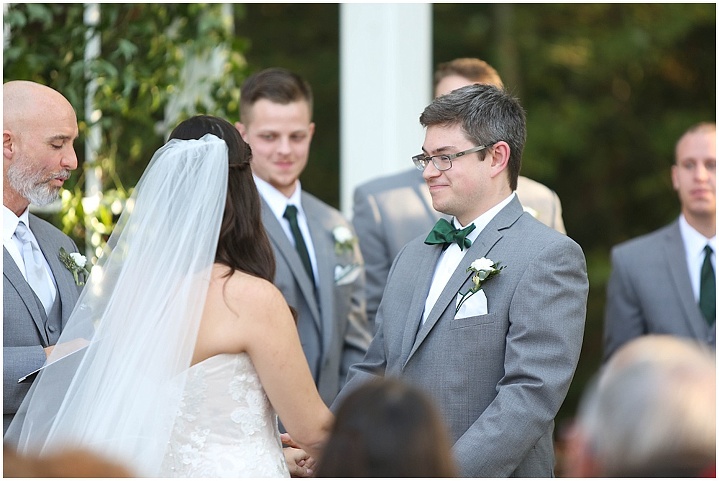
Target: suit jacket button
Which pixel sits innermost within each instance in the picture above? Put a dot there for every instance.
(52, 328)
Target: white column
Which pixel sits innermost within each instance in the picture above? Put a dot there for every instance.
(385, 83)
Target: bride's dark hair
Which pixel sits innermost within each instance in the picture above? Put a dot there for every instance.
(243, 244)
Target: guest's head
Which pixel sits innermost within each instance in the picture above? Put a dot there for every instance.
(71, 463)
(650, 413)
(39, 128)
(475, 136)
(243, 244)
(387, 429)
(276, 120)
(694, 176)
(464, 71)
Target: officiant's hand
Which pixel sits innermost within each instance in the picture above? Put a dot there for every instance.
(299, 463)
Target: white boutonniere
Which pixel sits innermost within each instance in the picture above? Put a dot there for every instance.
(483, 269)
(75, 263)
(344, 240)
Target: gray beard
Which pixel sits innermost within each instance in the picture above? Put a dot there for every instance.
(31, 185)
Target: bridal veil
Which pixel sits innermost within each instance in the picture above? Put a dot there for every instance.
(140, 312)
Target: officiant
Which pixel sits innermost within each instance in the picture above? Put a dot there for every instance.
(39, 290)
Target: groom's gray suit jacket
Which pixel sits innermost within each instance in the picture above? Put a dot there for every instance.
(499, 378)
(332, 321)
(649, 292)
(25, 328)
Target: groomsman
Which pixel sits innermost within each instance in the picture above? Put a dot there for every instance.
(319, 265)
(487, 313)
(392, 210)
(39, 292)
(665, 282)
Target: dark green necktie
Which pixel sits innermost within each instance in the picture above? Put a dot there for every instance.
(291, 215)
(444, 232)
(707, 288)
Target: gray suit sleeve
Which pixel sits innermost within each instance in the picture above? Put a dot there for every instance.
(367, 223)
(17, 362)
(623, 318)
(546, 328)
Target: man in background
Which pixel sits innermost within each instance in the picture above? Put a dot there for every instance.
(319, 265)
(392, 210)
(665, 282)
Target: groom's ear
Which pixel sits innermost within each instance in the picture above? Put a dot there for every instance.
(498, 158)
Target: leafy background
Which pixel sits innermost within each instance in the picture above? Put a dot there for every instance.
(608, 89)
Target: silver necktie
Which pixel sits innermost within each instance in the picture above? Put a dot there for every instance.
(36, 274)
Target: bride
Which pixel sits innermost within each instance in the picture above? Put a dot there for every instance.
(189, 348)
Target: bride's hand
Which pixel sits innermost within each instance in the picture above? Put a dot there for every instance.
(299, 463)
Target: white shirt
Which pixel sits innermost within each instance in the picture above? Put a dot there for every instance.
(694, 243)
(14, 245)
(278, 203)
(452, 255)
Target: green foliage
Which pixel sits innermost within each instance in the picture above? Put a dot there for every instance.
(138, 75)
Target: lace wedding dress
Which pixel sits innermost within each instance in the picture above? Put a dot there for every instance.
(225, 426)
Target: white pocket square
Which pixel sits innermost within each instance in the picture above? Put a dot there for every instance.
(474, 305)
(346, 274)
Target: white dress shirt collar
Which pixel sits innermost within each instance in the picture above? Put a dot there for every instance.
(276, 199)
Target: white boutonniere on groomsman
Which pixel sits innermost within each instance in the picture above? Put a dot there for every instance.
(75, 263)
(484, 269)
(344, 240)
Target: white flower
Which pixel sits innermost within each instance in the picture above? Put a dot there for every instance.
(342, 234)
(79, 259)
(75, 263)
(344, 239)
(482, 264)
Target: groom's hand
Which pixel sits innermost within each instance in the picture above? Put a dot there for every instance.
(299, 463)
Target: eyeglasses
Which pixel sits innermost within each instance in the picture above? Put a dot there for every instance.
(444, 162)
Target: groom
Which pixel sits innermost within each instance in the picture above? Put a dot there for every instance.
(499, 366)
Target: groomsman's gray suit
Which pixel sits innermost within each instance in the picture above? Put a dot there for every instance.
(499, 378)
(392, 210)
(649, 292)
(26, 327)
(332, 322)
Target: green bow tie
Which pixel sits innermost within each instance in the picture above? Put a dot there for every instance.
(444, 232)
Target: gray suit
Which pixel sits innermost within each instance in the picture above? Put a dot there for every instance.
(26, 327)
(500, 378)
(649, 292)
(391, 211)
(332, 322)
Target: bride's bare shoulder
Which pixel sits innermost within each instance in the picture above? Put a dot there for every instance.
(246, 289)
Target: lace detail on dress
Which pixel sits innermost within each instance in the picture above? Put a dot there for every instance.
(225, 426)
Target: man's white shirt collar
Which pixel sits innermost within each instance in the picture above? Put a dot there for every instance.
(276, 199)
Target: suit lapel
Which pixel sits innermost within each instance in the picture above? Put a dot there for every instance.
(289, 254)
(679, 275)
(320, 229)
(489, 236)
(14, 276)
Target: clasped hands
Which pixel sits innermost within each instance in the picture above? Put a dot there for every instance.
(299, 463)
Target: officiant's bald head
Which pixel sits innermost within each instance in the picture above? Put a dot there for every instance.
(39, 128)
